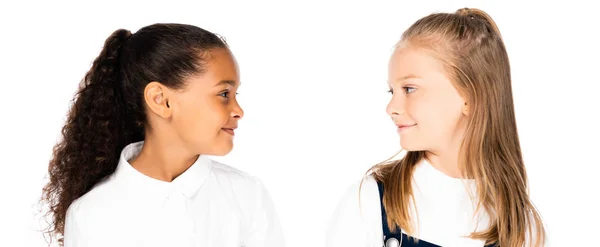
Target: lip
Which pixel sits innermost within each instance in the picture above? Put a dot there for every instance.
(230, 131)
(403, 127)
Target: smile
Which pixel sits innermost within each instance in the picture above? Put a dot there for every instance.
(229, 130)
(405, 127)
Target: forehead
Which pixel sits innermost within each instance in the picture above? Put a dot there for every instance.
(221, 63)
(219, 66)
(407, 61)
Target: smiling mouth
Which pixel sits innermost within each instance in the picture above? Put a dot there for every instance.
(230, 131)
(404, 127)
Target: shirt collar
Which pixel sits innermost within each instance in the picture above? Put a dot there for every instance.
(188, 183)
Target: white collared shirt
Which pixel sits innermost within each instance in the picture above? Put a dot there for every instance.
(210, 204)
(445, 212)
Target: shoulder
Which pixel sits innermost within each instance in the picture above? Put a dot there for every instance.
(250, 198)
(94, 212)
(239, 188)
(361, 197)
(98, 199)
(357, 218)
(234, 177)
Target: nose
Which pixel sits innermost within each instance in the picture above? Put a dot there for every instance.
(237, 111)
(396, 106)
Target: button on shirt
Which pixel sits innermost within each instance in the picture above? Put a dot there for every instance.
(210, 204)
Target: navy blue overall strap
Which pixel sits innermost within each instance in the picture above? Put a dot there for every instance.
(397, 236)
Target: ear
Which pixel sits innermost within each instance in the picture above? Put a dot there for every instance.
(157, 100)
(465, 109)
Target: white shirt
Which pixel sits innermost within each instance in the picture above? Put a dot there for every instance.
(443, 205)
(210, 204)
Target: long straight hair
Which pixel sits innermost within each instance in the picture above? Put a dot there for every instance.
(470, 46)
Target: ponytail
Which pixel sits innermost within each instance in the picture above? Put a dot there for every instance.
(93, 135)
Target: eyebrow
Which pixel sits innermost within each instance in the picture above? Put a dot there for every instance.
(411, 76)
(229, 82)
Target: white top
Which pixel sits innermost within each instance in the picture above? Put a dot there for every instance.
(443, 204)
(210, 204)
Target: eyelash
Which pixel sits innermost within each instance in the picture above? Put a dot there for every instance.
(405, 88)
(226, 94)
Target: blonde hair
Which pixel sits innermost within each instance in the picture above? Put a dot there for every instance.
(469, 45)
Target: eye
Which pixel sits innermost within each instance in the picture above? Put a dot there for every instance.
(408, 90)
(224, 94)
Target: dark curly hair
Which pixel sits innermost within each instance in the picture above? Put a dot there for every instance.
(108, 109)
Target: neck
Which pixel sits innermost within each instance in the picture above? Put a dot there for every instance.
(446, 162)
(163, 159)
(445, 159)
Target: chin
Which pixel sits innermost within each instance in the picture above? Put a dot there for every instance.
(408, 146)
(221, 150)
(214, 148)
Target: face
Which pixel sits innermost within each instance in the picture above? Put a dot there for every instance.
(206, 111)
(428, 111)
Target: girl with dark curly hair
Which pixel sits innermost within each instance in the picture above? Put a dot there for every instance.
(132, 169)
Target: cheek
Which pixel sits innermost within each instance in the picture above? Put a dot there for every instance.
(212, 116)
(435, 116)
(188, 120)
(444, 117)
(197, 117)
(419, 110)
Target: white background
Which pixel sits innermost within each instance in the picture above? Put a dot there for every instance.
(314, 93)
